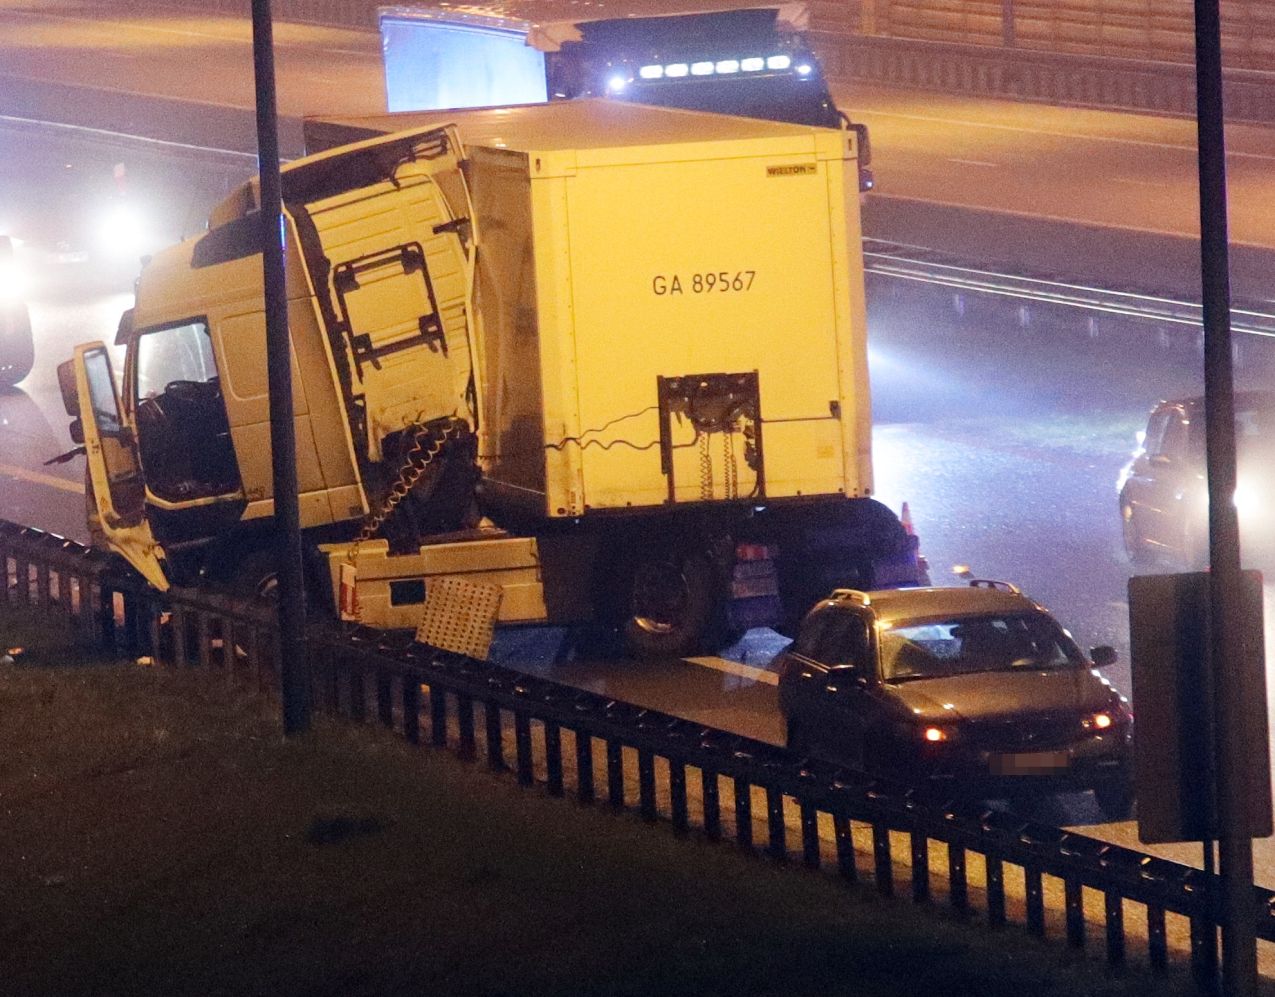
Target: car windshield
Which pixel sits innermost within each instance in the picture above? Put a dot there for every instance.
(924, 649)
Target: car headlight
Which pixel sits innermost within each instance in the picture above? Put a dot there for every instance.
(936, 733)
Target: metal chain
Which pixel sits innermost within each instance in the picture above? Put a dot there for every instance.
(418, 458)
(731, 467)
(705, 468)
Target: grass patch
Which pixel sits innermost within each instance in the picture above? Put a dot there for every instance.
(162, 838)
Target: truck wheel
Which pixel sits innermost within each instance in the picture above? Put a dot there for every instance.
(672, 606)
(254, 576)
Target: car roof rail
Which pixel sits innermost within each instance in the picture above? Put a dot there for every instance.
(992, 583)
(851, 595)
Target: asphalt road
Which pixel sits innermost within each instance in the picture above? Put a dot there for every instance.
(1002, 426)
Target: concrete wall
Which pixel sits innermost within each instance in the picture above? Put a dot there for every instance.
(1156, 30)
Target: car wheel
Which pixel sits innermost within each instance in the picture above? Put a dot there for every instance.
(1115, 801)
(1135, 547)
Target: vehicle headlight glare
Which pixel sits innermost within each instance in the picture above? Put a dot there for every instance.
(778, 62)
(805, 69)
(701, 69)
(752, 65)
(617, 83)
(934, 735)
(1247, 502)
(122, 232)
(651, 72)
(728, 66)
(12, 281)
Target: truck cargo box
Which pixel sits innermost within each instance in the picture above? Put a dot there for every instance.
(669, 307)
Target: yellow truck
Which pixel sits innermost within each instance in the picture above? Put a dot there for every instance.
(608, 360)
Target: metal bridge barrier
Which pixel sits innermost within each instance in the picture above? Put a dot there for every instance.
(693, 778)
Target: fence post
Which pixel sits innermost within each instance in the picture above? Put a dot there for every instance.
(584, 766)
(712, 805)
(810, 836)
(553, 758)
(522, 746)
(466, 746)
(995, 891)
(615, 774)
(646, 784)
(1115, 927)
(1032, 881)
(495, 737)
(743, 814)
(412, 709)
(1074, 900)
(843, 834)
(920, 867)
(384, 698)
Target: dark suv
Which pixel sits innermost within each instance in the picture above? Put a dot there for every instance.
(970, 692)
(1163, 491)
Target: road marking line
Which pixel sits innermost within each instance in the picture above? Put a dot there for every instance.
(49, 480)
(973, 162)
(1184, 146)
(735, 668)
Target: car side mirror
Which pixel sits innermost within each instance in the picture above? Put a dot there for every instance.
(845, 679)
(1103, 656)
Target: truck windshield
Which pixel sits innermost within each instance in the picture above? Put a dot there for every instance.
(183, 433)
(964, 645)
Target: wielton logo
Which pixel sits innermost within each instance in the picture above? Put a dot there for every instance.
(797, 170)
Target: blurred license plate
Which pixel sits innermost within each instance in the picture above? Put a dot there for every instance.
(1028, 763)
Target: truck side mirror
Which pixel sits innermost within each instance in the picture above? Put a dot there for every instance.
(70, 395)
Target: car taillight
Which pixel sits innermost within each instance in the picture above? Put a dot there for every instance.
(1102, 720)
(935, 735)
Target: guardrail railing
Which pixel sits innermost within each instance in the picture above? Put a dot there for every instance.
(931, 266)
(719, 784)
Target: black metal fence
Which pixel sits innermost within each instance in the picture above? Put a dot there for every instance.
(694, 778)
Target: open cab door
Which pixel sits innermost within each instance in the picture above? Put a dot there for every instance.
(115, 472)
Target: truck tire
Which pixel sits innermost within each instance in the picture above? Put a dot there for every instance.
(254, 575)
(673, 604)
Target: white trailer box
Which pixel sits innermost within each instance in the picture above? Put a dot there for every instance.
(620, 245)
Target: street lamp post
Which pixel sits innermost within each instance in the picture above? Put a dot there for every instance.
(1235, 845)
(293, 670)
